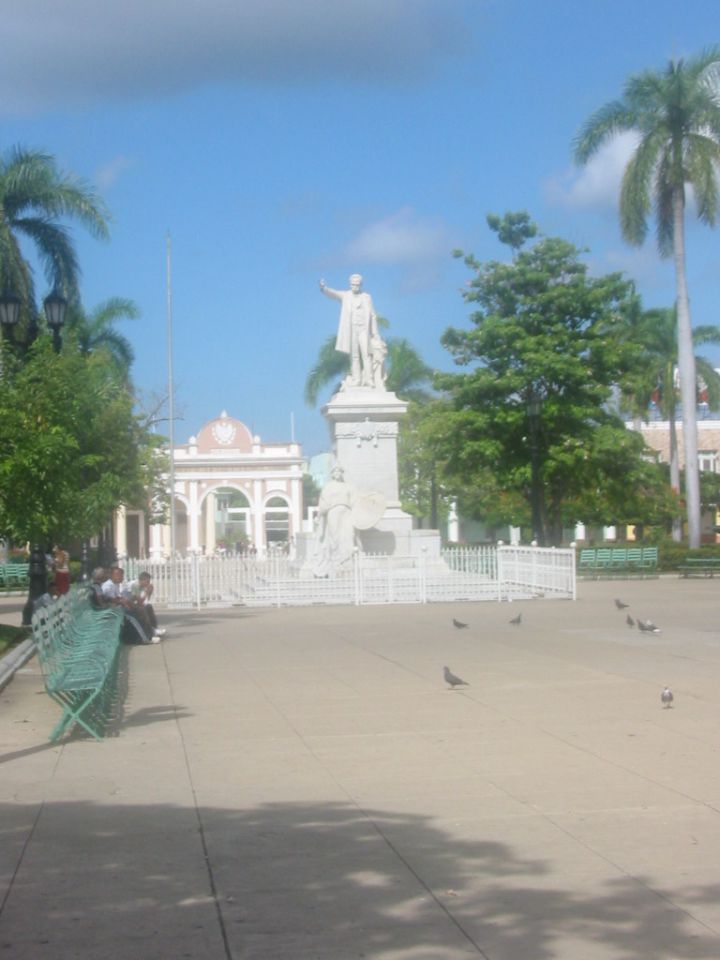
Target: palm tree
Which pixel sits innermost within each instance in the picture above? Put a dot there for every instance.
(677, 115)
(408, 374)
(654, 379)
(95, 330)
(330, 365)
(34, 197)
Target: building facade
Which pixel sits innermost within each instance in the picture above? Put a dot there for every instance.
(656, 434)
(232, 493)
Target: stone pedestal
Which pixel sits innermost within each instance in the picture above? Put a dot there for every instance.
(364, 424)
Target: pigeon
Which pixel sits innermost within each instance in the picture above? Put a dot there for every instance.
(647, 626)
(516, 621)
(667, 697)
(620, 605)
(459, 624)
(629, 621)
(452, 680)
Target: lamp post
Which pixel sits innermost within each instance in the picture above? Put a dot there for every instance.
(534, 409)
(9, 312)
(9, 316)
(54, 307)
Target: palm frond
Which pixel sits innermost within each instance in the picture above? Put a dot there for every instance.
(603, 125)
(34, 197)
(702, 163)
(665, 188)
(706, 371)
(330, 365)
(408, 374)
(706, 333)
(55, 250)
(635, 190)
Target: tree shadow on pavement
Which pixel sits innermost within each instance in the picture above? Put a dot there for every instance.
(327, 881)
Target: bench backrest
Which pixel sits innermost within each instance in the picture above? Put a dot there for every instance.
(70, 629)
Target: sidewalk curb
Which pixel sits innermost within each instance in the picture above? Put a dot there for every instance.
(15, 659)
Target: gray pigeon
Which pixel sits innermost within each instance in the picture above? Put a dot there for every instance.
(647, 626)
(620, 605)
(459, 624)
(629, 621)
(516, 621)
(667, 697)
(452, 680)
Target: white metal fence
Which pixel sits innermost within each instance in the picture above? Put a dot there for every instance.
(462, 574)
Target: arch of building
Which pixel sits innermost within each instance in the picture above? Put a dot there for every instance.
(232, 491)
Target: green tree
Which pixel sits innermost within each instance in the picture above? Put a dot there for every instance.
(71, 448)
(34, 199)
(534, 410)
(420, 472)
(676, 113)
(311, 491)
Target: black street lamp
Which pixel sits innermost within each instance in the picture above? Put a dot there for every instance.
(9, 312)
(55, 307)
(534, 408)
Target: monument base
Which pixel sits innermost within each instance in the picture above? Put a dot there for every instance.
(389, 539)
(393, 535)
(364, 424)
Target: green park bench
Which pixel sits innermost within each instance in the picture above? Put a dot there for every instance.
(78, 648)
(699, 567)
(14, 574)
(618, 561)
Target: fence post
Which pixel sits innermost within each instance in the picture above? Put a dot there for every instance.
(357, 587)
(195, 573)
(499, 569)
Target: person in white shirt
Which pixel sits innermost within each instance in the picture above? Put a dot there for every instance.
(136, 618)
(141, 591)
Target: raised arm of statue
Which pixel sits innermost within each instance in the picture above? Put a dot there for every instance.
(329, 292)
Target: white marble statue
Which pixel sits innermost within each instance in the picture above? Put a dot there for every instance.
(336, 531)
(378, 353)
(358, 335)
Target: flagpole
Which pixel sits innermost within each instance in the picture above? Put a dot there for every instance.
(171, 416)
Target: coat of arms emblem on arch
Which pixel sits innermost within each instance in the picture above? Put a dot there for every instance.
(224, 432)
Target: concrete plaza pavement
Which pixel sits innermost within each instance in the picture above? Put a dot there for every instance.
(299, 784)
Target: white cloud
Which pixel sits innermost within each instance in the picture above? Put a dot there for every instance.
(597, 184)
(642, 264)
(399, 239)
(86, 51)
(111, 172)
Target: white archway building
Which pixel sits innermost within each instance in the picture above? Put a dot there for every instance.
(232, 492)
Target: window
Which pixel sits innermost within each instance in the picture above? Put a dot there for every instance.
(708, 460)
(277, 525)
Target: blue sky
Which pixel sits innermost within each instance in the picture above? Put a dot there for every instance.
(281, 141)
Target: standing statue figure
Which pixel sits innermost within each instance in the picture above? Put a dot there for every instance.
(336, 532)
(358, 335)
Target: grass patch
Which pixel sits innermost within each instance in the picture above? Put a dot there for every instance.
(12, 636)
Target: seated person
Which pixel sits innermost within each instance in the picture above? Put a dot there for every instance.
(141, 590)
(136, 620)
(95, 590)
(61, 566)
